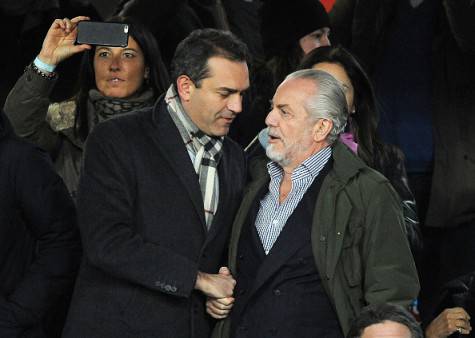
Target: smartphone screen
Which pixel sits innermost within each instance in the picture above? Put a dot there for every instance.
(103, 33)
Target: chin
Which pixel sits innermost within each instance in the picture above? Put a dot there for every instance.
(276, 156)
(219, 132)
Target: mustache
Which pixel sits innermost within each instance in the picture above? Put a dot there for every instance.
(273, 133)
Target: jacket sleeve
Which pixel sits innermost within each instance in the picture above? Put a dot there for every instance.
(106, 212)
(461, 14)
(50, 217)
(389, 273)
(27, 105)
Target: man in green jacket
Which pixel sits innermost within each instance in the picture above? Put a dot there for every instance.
(319, 235)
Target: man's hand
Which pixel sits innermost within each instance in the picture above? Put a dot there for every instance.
(219, 308)
(448, 322)
(219, 285)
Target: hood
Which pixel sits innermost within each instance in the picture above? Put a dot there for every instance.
(6, 128)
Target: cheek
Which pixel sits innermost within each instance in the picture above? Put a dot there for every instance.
(99, 72)
(135, 74)
(308, 44)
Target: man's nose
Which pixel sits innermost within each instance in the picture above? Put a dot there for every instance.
(271, 119)
(235, 103)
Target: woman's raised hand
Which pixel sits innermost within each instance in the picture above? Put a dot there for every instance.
(58, 44)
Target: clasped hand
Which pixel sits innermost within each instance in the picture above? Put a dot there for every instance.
(219, 288)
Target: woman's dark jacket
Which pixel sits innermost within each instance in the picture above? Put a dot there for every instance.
(39, 242)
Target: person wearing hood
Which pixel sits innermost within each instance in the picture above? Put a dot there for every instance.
(289, 31)
(39, 242)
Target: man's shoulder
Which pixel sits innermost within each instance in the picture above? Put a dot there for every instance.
(126, 126)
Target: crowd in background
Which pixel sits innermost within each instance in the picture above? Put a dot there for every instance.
(407, 69)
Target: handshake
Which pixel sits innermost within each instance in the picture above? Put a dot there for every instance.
(219, 288)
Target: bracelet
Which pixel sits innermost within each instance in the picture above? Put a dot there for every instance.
(44, 66)
(48, 76)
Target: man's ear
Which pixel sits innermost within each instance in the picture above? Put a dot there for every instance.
(321, 129)
(185, 87)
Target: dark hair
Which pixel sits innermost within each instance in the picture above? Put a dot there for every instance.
(282, 65)
(364, 122)
(379, 313)
(192, 54)
(158, 74)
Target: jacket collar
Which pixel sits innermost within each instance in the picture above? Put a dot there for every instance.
(346, 164)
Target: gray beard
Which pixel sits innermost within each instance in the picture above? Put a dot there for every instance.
(277, 157)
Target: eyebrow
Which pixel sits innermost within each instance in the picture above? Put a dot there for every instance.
(109, 48)
(283, 106)
(230, 90)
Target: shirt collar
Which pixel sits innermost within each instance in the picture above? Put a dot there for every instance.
(311, 167)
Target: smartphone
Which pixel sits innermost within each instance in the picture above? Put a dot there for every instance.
(103, 33)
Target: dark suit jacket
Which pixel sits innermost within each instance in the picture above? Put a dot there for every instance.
(40, 248)
(143, 228)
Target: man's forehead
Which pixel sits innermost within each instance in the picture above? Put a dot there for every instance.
(294, 90)
(386, 329)
(228, 74)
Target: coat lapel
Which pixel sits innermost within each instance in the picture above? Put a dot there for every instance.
(250, 193)
(170, 143)
(290, 240)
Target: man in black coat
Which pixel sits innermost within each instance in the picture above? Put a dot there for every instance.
(158, 193)
(39, 242)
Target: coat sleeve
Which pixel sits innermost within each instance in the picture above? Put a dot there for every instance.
(49, 215)
(106, 212)
(389, 271)
(27, 105)
(461, 14)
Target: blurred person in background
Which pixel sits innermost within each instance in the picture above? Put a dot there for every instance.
(40, 246)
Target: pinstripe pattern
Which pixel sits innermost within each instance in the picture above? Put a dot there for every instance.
(272, 216)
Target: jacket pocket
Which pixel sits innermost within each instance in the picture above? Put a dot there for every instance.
(351, 256)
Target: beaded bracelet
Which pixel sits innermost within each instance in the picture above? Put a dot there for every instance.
(48, 76)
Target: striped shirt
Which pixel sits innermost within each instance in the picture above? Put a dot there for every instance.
(272, 215)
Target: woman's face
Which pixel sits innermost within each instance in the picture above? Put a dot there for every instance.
(119, 72)
(339, 73)
(318, 38)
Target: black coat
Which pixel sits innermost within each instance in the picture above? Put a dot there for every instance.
(39, 242)
(143, 228)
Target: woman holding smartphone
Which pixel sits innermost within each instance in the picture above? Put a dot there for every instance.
(112, 81)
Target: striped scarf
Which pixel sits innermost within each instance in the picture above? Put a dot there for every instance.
(207, 152)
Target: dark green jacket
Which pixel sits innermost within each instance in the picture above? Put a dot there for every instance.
(48, 125)
(358, 238)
